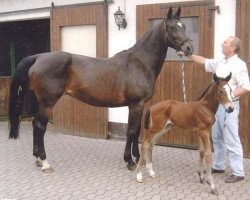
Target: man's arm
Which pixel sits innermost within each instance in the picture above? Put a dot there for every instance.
(195, 58)
(240, 91)
(198, 59)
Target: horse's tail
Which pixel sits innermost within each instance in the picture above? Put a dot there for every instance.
(147, 119)
(18, 89)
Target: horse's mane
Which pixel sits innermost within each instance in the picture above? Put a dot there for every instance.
(205, 91)
(148, 33)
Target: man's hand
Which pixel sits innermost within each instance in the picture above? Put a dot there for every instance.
(180, 53)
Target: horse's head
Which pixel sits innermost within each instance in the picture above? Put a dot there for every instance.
(175, 33)
(224, 92)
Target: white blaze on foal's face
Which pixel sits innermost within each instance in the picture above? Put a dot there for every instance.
(229, 92)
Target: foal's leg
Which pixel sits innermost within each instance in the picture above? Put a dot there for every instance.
(146, 151)
(201, 161)
(140, 164)
(39, 128)
(133, 132)
(152, 138)
(147, 147)
(208, 159)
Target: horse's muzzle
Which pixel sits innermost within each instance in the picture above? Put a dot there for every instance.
(188, 48)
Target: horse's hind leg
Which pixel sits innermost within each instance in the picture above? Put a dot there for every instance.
(133, 132)
(39, 128)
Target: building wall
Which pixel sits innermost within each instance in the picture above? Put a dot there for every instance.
(118, 39)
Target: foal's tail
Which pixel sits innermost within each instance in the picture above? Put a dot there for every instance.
(18, 89)
(147, 119)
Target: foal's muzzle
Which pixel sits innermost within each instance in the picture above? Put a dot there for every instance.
(230, 109)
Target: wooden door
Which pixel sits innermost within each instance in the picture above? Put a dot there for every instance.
(4, 96)
(243, 32)
(169, 82)
(70, 115)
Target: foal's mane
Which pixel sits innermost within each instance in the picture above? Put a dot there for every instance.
(205, 91)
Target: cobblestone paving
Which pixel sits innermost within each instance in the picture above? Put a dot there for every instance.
(94, 169)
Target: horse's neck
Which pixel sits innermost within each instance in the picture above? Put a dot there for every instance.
(151, 49)
(210, 100)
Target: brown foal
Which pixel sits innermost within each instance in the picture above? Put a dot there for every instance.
(196, 115)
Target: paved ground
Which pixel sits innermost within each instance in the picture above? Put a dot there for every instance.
(94, 169)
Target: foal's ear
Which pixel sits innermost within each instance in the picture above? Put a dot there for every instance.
(170, 12)
(216, 79)
(228, 77)
(178, 12)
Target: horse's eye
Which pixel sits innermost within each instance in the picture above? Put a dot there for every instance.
(220, 92)
(172, 27)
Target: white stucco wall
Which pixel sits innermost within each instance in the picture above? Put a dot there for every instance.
(224, 24)
(120, 39)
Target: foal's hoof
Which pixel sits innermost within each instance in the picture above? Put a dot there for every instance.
(153, 176)
(214, 191)
(202, 178)
(131, 166)
(48, 170)
(139, 178)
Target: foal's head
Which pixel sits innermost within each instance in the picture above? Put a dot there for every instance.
(175, 33)
(224, 92)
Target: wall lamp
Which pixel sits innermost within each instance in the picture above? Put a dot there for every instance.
(120, 19)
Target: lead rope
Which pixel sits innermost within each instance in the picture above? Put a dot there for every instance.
(183, 80)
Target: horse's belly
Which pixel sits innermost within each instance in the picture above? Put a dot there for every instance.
(99, 98)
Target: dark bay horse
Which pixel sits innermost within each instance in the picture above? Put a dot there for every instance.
(195, 115)
(126, 79)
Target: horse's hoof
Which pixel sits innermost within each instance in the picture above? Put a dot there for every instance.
(39, 164)
(131, 166)
(48, 170)
(214, 191)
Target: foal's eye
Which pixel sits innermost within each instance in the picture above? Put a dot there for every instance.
(220, 92)
(172, 27)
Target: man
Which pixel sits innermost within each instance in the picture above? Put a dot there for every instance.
(225, 133)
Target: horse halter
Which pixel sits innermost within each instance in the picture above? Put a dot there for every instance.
(176, 44)
(231, 91)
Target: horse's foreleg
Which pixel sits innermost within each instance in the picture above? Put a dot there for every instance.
(39, 128)
(133, 132)
(208, 159)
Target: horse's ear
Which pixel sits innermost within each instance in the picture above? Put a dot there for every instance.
(178, 12)
(170, 12)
